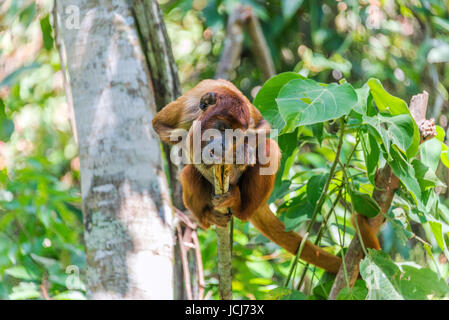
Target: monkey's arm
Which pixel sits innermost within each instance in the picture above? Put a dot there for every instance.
(197, 194)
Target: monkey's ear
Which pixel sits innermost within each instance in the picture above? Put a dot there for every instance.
(180, 114)
(175, 119)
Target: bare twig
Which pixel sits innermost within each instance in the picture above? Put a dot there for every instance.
(244, 17)
(386, 185)
(185, 264)
(44, 287)
(260, 48)
(232, 44)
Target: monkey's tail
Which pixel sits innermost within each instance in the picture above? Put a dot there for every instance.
(369, 236)
(271, 227)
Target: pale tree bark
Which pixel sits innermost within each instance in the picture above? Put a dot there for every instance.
(188, 277)
(127, 214)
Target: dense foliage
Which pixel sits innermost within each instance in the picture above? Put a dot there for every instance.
(401, 43)
(41, 249)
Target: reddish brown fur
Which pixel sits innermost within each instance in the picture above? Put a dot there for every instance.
(369, 237)
(248, 196)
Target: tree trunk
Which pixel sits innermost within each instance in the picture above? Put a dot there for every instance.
(166, 84)
(126, 208)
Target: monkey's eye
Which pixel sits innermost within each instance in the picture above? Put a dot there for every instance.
(207, 100)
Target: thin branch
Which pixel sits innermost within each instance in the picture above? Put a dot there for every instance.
(232, 44)
(324, 192)
(386, 185)
(242, 18)
(259, 48)
(224, 242)
(185, 264)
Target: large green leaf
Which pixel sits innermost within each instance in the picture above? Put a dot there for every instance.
(364, 204)
(421, 284)
(305, 101)
(381, 276)
(385, 102)
(386, 280)
(426, 177)
(265, 100)
(430, 152)
(362, 99)
(397, 130)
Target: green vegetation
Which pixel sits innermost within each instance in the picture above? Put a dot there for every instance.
(346, 72)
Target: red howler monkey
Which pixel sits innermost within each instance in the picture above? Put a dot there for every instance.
(220, 105)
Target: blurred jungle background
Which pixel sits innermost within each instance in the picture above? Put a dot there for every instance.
(404, 43)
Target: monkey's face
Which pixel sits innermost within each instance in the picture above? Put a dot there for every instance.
(223, 126)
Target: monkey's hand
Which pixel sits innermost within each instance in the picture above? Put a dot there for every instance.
(228, 200)
(219, 218)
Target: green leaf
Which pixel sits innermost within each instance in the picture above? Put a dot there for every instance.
(381, 276)
(25, 291)
(419, 284)
(440, 133)
(362, 99)
(265, 99)
(28, 14)
(426, 177)
(364, 204)
(305, 101)
(318, 132)
(289, 148)
(385, 280)
(430, 152)
(20, 272)
(444, 156)
(399, 130)
(6, 125)
(358, 292)
(406, 173)
(385, 102)
(441, 23)
(437, 231)
(47, 35)
(371, 152)
(6, 129)
(69, 295)
(290, 7)
(299, 211)
(315, 187)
